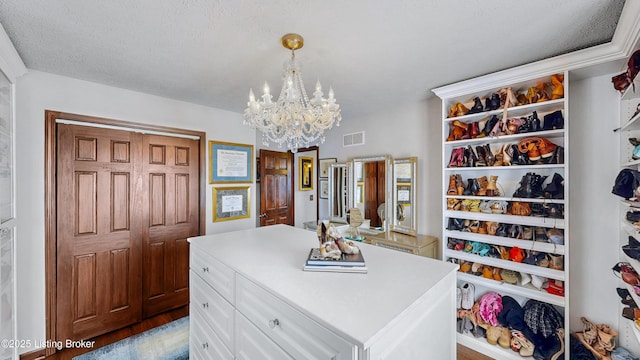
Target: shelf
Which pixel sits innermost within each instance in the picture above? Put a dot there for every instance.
(633, 204)
(515, 111)
(493, 351)
(512, 167)
(630, 163)
(503, 218)
(502, 198)
(527, 291)
(549, 134)
(632, 124)
(507, 241)
(507, 264)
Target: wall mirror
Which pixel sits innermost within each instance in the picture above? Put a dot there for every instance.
(404, 218)
(338, 192)
(370, 180)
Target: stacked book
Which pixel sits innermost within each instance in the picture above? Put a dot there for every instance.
(352, 263)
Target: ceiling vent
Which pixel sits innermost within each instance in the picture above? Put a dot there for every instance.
(353, 139)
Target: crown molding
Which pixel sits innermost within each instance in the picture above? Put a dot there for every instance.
(10, 62)
(624, 41)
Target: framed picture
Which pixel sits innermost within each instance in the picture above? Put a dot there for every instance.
(324, 166)
(324, 188)
(305, 173)
(230, 203)
(230, 163)
(360, 194)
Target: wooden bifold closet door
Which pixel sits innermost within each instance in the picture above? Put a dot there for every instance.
(126, 203)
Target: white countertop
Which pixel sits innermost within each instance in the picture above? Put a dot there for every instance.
(357, 305)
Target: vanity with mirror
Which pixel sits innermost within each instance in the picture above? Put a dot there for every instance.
(384, 189)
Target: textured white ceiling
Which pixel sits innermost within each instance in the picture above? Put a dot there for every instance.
(373, 52)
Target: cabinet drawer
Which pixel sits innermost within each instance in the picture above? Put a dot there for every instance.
(297, 334)
(215, 273)
(216, 311)
(252, 344)
(203, 342)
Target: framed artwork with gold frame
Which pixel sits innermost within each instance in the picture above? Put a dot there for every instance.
(305, 173)
(231, 203)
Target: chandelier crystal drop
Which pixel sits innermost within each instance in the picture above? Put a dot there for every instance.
(293, 120)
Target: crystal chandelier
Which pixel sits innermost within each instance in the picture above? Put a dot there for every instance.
(293, 120)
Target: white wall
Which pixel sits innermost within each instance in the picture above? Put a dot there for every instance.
(305, 206)
(594, 219)
(403, 131)
(37, 91)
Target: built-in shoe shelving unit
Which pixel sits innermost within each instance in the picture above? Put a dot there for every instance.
(629, 128)
(509, 180)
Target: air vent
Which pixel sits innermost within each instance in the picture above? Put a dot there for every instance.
(353, 139)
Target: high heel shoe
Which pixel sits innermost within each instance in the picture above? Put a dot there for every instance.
(492, 189)
(457, 109)
(452, 186)
(490, 125)
(457, 157)
(472, 158)
(482, 182)
(558, 87)
(474, 130)
(489, 158)
(553, 121)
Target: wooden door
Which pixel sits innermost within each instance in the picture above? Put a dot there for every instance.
(98, 268)
(276, 188)
(374, 185)
(170, 214)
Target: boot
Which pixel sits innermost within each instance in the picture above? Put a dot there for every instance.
(474, 186)
(457, 131)
(459, 184)
(453, 190)
(475, 131)
(457, 157)
(555, 189)
(477, 106)
(481, 156)
(472, 159)
(490, 125)
(553, 121)
(467, 132)
(489, 158)
(518, 158)
(536, 185)
(525, 190)
(535, 122)
(482, 182)
(492, 189)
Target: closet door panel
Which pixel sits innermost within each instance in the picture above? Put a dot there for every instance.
(170, 217)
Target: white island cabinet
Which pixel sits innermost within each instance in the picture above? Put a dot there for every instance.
(250, 299)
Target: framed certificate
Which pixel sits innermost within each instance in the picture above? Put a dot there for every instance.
(230, 163)
(230, 203)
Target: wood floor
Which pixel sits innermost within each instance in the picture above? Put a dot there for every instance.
(464, 353)
(118, 335)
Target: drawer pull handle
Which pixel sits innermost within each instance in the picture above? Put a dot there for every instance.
(205, 345)
(205, 305)
(205, 269)
(273, 323)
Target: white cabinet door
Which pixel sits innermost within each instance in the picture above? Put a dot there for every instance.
(252, 344)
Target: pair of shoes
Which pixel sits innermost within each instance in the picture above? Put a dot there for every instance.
(537, 148)
(625, 297)
(468, 296)
(553, 121)
(458, 109)
(555, 287)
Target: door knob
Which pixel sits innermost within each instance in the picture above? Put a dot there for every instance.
(263, 215)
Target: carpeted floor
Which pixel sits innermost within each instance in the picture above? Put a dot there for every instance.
(167, 342)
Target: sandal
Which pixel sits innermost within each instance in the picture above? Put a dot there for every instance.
(505, 337)
(526, 346)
